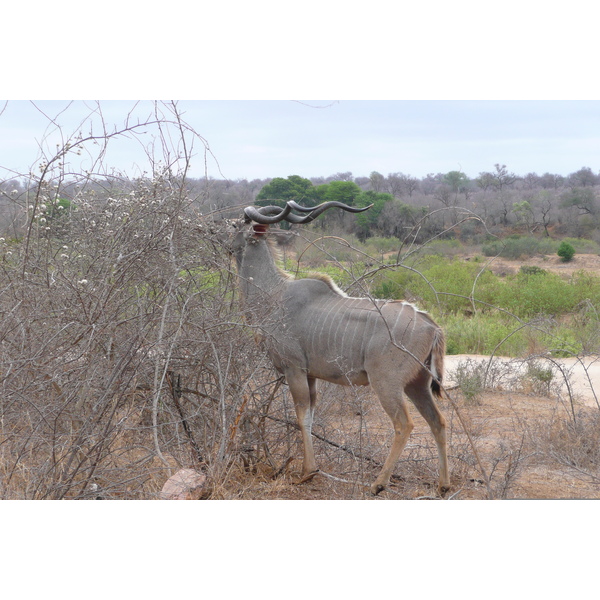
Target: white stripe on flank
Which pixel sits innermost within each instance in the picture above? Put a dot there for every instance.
(371, 320)
(333, 324)
(320, 328)
(349, 321)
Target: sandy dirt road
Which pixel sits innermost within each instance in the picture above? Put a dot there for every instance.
(583, 374)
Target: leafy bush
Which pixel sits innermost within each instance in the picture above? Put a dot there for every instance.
(566, 251)
(484, 334)
(439, 284)
(470, 376)
(379, 245)
(528, 296)
(443, 247)
(516, 247)
(538, 378)
(532, 270)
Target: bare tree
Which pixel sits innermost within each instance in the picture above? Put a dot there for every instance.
(395, 184)
(378, 183)
(584, 178)
(502, 178)
(551, 181)
(531, 181)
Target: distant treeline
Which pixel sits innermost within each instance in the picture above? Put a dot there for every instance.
(495, 203)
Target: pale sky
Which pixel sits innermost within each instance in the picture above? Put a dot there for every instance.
(312, 138)
(467, 85)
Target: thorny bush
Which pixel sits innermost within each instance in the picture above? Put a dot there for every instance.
(122, 356)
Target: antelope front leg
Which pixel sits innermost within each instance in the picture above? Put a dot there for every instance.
(302, 390)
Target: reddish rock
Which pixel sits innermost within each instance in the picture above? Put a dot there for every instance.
(186, 484)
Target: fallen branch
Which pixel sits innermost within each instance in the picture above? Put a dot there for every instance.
(174, 382)
(324, 439)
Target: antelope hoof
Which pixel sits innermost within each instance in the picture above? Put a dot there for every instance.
(377, 488)
(443, 489)
(308, 477)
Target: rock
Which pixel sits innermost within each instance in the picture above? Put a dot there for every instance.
(186, 484)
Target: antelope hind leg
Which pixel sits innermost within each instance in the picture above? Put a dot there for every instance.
(395, 407)
(420, 394)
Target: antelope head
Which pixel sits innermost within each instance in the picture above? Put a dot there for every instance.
(257, 219)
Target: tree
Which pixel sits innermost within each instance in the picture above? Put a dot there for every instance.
(582, 198)
(498, 180)
(459, 183)
(399, 184)
(367, 221)
(584, 177)
(443, 193)
(377, 181)
(551, 181)
(430, 183)
(531, 181)
(544, 204)
(337, 191)
(502, 178)
(410, 184)
(395, 184)
(524, 214)
(345, 176)
(485, 180)
(456, 180)
(279, 191)
(340, 191)
(398, 219)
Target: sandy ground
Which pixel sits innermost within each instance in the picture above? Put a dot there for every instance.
(583, 373)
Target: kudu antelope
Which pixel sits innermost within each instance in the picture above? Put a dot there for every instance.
(312, 330)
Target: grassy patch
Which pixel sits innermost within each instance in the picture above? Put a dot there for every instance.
(518, 247)
(530, 311)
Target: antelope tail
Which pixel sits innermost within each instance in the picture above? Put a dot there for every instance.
(436, 360)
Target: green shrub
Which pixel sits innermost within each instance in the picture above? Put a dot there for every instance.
(484, 334)
(470, 376)
(378, 245)
(515, 247)
(444, 284)
(566, 251)
(532, 270)
(528, 295)
(446, 248)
